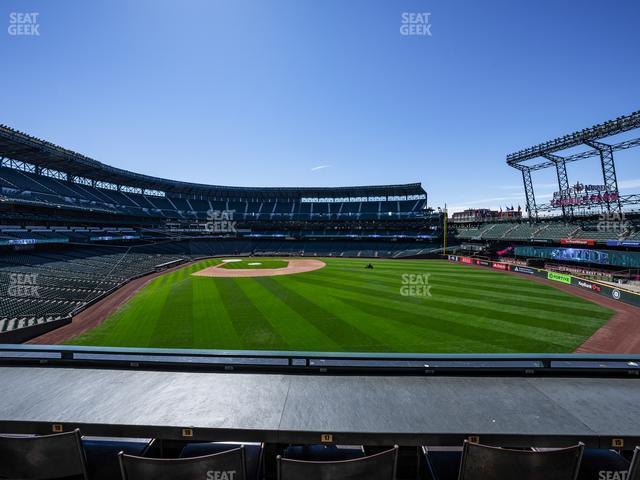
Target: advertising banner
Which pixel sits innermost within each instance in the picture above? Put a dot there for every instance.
(624, 243)
(581, 194)
(108, 238)
(559, 277)
(527, 270)
(588, 285)
(32, 241)
(577, 241)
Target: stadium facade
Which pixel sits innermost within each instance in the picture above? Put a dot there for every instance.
(42, 182)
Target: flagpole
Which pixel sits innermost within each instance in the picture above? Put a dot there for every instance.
(445, 230)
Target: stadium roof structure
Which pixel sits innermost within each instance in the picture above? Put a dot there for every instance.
(545, 155)
(18, 146)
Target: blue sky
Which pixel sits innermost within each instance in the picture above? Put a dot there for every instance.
(264, 92)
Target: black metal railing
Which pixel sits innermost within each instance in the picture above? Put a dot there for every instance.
(321, 362)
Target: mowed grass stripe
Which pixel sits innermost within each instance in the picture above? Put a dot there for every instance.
(498, 284)
(328, 322)
(174, 324)
(248, 322)
(498, 341)
(414, 335)
(134, 324)
(506, 297)
(346, 307)
(455, 315)
(213, 328)
(119, 331)
(307, 336)
(481, 329)
(497, 318)
(294, 328)
(425, 336)
(456, 271)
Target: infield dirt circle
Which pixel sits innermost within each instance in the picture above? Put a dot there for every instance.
(294, 266)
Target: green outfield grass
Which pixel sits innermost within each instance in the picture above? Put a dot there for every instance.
(251, 263)
(345, 307)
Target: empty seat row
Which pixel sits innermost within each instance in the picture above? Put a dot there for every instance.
(71, 456)
(541, 231)
(29, 187)
(41, 285)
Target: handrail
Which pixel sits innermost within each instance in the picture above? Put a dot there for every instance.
(305, 362)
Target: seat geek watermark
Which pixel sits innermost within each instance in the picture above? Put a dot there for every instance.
(613, 222)
(415, 24)
(221, 221)
(613, 475)
(23, 285)
(24, 24)
(221, 475)
(415, 285)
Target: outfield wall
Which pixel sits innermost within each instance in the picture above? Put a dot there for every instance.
(619, 294)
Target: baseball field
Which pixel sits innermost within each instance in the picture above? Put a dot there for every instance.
(396, 306)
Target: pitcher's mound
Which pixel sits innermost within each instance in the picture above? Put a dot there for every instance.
(295, 266)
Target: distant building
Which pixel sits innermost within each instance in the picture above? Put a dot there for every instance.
(476, 215)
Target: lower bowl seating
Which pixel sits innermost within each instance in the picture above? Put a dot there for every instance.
(252, 452)
(69, 456)
(102, 455)
(443, 463)
(323, 453)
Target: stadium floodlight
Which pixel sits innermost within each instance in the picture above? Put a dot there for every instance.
(545, 155)
(606, 129)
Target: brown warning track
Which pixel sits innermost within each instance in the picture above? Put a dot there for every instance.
(294, 266)
(621, 334)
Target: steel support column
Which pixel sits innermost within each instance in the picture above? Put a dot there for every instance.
(563, 178)
(530, 197)
(608, 171)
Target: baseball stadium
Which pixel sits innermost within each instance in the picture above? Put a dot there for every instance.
(95, 255)
(132, 269)
(298, 240)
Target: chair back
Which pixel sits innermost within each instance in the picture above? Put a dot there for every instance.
(229, 464)
(481, 462)
(381, 466)
(43, 457)
(634, 469)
